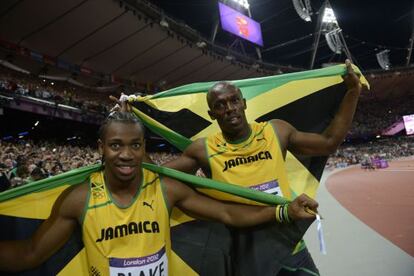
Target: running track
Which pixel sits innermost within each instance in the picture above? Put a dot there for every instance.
(368, 221)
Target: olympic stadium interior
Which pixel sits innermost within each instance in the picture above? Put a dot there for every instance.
(144, 47)
(61, 60)
(150, 46)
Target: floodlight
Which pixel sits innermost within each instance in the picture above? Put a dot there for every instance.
(383, 59)
(334, 41)
(329, 16)
(303, 8)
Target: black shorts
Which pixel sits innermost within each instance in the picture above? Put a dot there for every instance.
(300, 264)
(211, 248)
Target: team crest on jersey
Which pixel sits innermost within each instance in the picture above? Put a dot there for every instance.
(97, 190)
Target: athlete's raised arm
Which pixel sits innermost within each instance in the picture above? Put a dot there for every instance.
(329, 140)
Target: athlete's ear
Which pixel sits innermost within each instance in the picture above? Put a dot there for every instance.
(245, 105)
(211, 114)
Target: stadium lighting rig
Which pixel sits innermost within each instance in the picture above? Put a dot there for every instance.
(383, 59)
(328, 25)
(329, 16)
(334, 40)
(304, 9)
(243, 3)
(333, 34)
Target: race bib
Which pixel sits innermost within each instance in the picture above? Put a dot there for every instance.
(152, 265)
(271, 187)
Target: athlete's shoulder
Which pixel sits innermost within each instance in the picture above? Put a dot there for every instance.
(199, 142)
(278, 123)
(196, 147)
(259, 126)
(283, 130)
(72, 200)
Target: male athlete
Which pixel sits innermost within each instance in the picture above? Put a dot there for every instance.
(252, 155)
(123, 211)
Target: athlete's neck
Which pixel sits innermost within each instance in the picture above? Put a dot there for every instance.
(239, 136)
(122, 187)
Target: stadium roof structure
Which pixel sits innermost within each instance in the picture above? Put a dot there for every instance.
(169, 42)
(368, 27)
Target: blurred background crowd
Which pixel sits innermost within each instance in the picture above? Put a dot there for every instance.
(24, 159)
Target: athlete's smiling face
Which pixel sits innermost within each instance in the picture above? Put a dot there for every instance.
(227, 106)
(123, 148)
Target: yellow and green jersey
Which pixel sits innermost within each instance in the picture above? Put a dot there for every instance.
(256, 162)
(127, 240)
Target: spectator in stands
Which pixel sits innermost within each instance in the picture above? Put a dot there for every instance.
(36, 174)
(388, 149)
(4, 179)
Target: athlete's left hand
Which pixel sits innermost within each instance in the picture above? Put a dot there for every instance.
(120, 106)
(351, 79)
(299, 208)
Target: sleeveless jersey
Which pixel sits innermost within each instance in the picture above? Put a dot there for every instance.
(256, 163)
(127, 240)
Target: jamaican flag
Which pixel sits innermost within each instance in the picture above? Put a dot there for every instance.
(307, 100)
(23, 209)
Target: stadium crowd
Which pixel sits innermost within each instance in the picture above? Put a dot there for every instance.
(387, 149)
(16, 84)
(374, 115)
(27, 161)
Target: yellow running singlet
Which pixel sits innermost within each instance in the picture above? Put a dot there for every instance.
(127, 240)
(256, 162)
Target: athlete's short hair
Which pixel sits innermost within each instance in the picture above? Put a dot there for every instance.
(221, 86)
(119, 117)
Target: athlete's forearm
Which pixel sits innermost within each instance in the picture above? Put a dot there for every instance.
(240, 215)
(184, 164)
(341, 123)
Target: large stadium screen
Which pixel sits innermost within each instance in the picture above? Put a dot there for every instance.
(240, 24)
(409, 124)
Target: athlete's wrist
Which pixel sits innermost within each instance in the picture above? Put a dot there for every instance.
(282, 213)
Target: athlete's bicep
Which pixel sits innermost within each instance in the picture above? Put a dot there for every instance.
(311, 144)
(52, 235)
(48, 238)
(300, 142)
